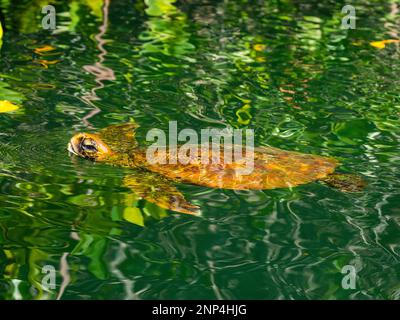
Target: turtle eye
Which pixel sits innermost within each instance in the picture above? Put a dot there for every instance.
(88, 145)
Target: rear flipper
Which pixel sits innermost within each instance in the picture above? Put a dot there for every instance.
(160, 191)
(345, 182)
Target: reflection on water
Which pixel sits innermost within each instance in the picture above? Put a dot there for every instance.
(98, 69)
(286, 70)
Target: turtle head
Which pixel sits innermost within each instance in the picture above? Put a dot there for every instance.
(89, 146)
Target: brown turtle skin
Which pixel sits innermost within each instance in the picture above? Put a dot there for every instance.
(273, 168)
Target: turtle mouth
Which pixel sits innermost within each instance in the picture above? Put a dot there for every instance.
(71, 149)
(75, 144)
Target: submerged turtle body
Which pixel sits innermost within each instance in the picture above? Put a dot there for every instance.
(271, 168)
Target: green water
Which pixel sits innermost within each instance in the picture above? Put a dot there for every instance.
(283, 68)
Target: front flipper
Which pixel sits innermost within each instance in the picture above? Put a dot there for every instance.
(160, 191)
(345, 182)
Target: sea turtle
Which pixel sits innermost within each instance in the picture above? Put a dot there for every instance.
(272, 168)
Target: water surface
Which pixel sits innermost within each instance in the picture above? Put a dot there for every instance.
(283, 68)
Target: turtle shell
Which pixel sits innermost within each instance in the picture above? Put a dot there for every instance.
(272, 168)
